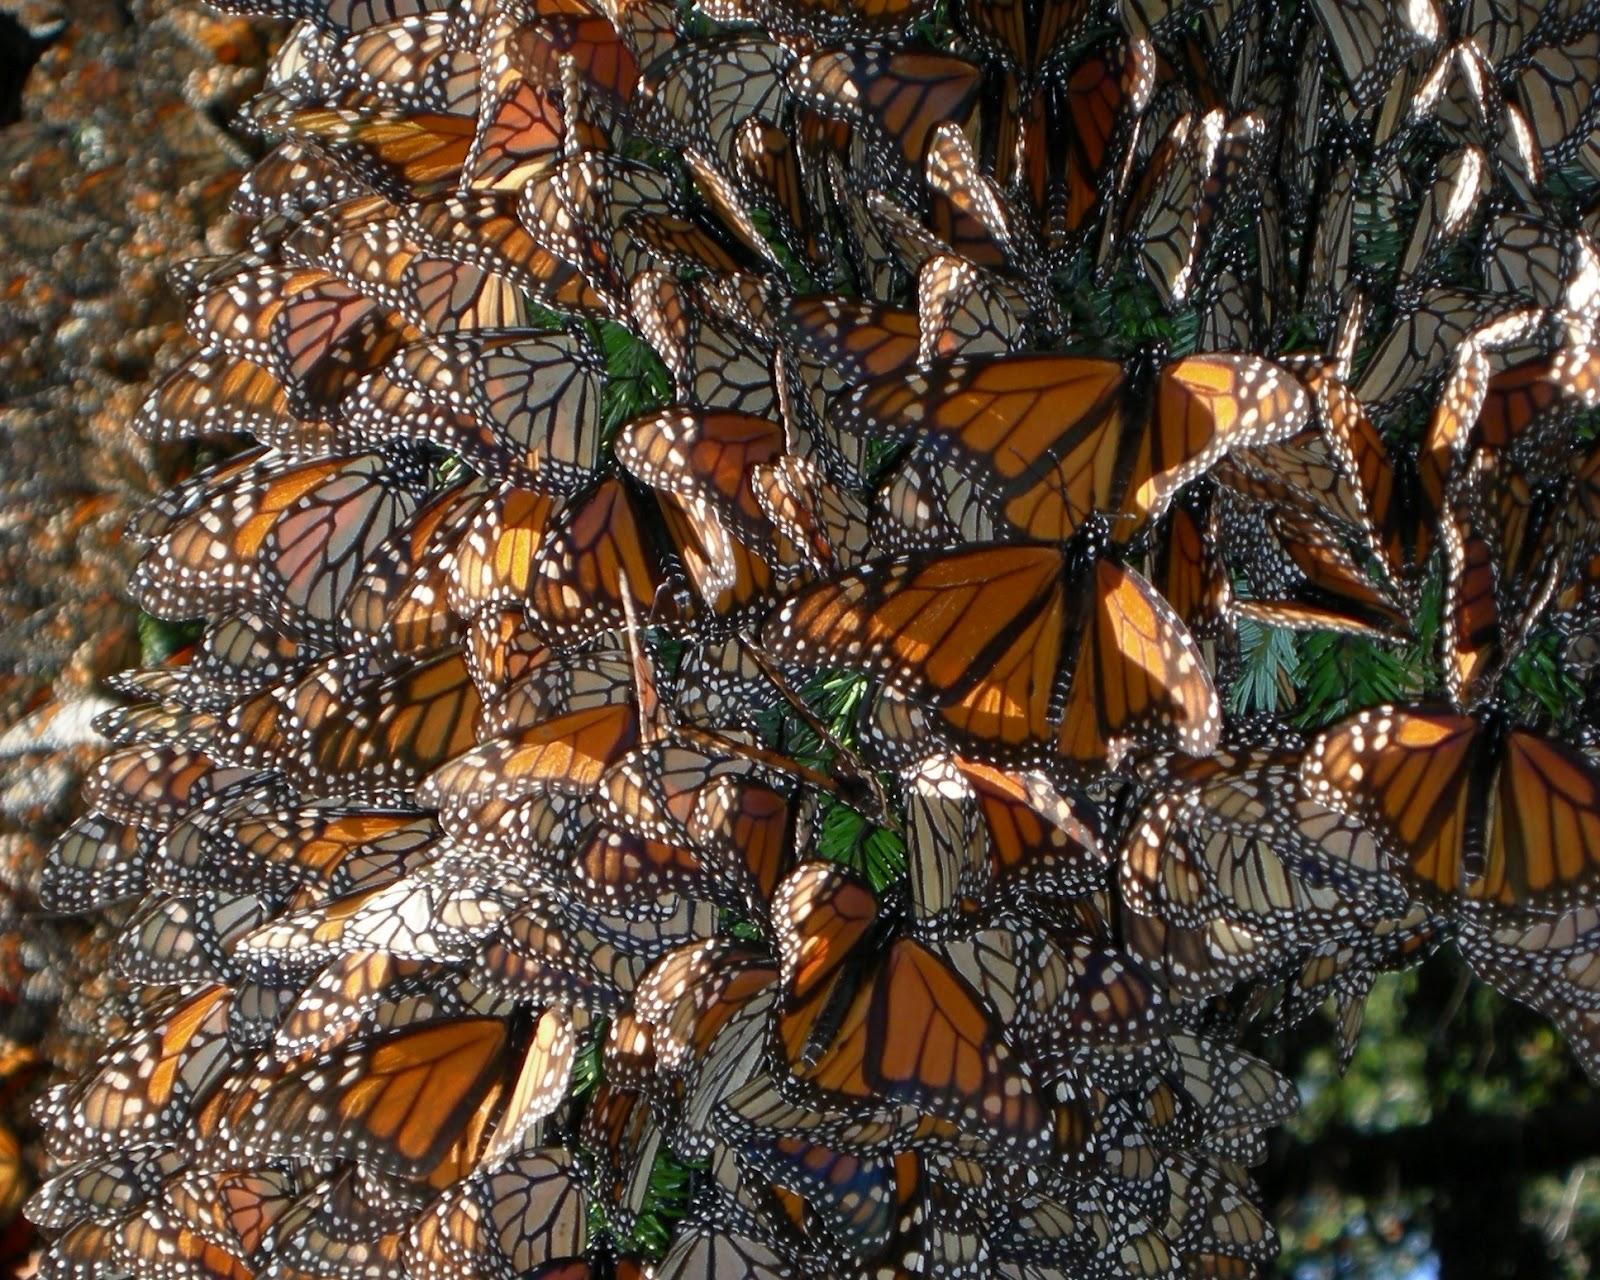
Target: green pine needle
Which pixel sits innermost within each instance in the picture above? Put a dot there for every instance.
(1269, 666)
(1537, 686)
(587, 1069)
(159, 639)
(798, 271)
(543, 318)
(1343, 674)
(666, 1200)
(637, 382)
(877, 854)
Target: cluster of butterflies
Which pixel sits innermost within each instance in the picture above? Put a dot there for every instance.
(112, 168)
(715, 584)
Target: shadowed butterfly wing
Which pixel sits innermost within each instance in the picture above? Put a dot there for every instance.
(1139, 680)
(978, 631)
(397, 1101)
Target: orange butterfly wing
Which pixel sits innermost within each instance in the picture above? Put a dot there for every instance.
(1139, 679)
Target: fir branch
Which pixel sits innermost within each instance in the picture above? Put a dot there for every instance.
(666, 1200)
(587, 1068)
(1537, 687)
(637, 382)
(1341, 674)
(1269, 669)
(845, 837)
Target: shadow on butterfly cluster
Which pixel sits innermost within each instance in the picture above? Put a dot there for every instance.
(706, 754)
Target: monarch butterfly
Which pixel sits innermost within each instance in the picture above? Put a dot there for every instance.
(1535, 258)
(849, 1195)
(981, 838)
(1507, 548)
(419, 717)
(1025, 37)
(719, 1254)
(934, 1226)
(184, 939)
(439, 910)
(552, 950)
(1481, 815)
(703, 95)
(1190, 182)
(762, 1106)
(153, 786)
(296, 945)
(553, 686)
(1445, 214)
(724, 245)
(505, 1222)
(103, 1187)
(970, 212)
(822, 22)
(152, 723)
(718, 368)
(1220, 1094)
(1369, 41)
(1546, 962)
(1283, 859)
(709, 1022)
(234, 1210)
(1209, 1212)
(524, 121)
(897, 1028)
(290, 178)
(980, 633)
(681, 789)
(1554, 87)
(541, 1086)
(1041, 441)
(1418, 345)
(154, 1236)
(1185, 564)
(367, 245)
(539, 394)
(413, 63)
(399, 155)
(311, 557)
(213, 394)
(485, 230)
(1303, 577)
(1076, 1010)
(826, 524)
(208, 558)
(237, 655)
(316, 333)
(701, 464)
(605, 547)
(531, 778)
(288, 852)
(633, 875)
(619, 1127)
(336, 1001)
(397, 1101)
(397, 605)
(96, 862)
(902, 96)
(149, 1083)
(1078, 135)
(346, 1216)
(961, 313)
